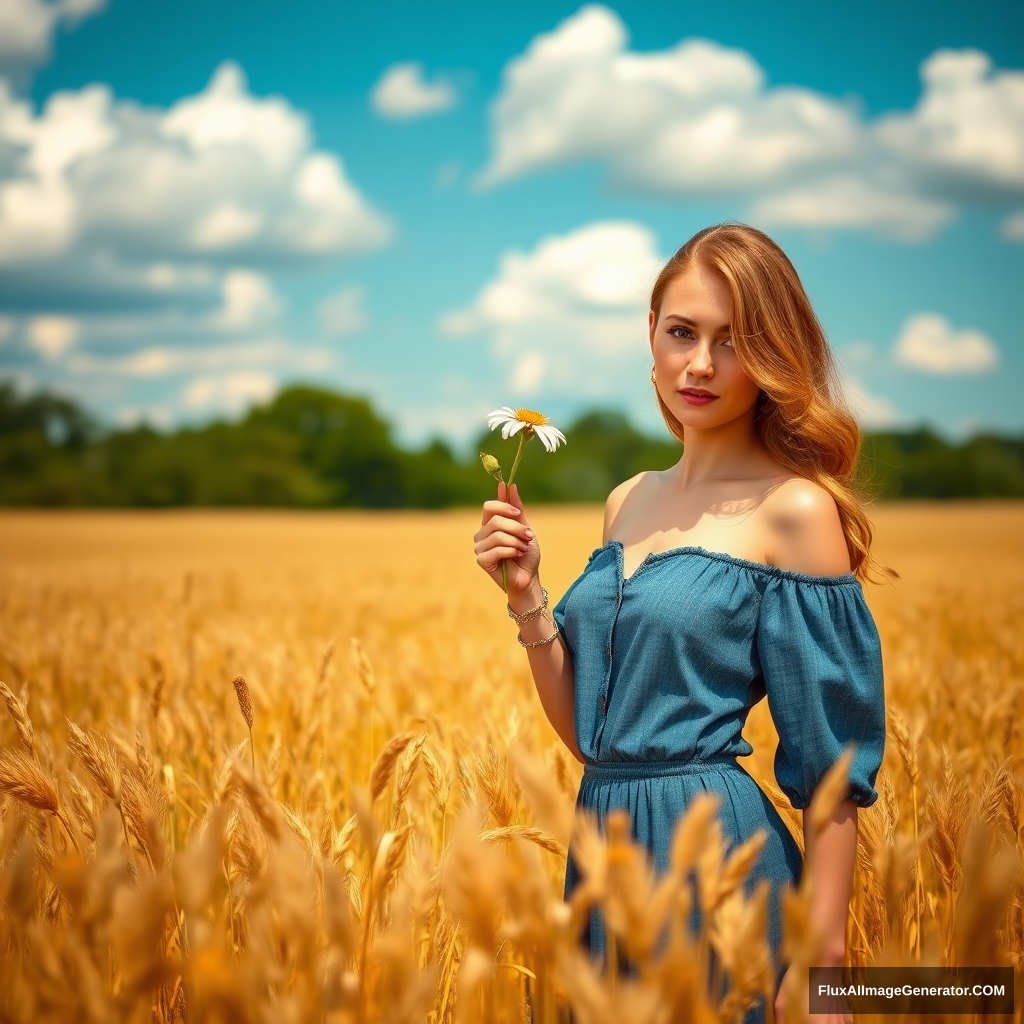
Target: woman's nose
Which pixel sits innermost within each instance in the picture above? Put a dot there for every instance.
(700, 361)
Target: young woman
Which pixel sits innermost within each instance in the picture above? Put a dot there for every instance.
(732, 576)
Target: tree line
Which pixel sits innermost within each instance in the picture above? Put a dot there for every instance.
(314, 448)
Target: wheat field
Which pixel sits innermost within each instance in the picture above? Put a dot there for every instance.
(387, 842)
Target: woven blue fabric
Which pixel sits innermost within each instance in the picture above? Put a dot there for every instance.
(668, 664)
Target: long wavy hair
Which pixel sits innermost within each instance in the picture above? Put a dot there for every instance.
(801, 417)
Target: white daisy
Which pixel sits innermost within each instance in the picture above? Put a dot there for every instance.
(512, 421)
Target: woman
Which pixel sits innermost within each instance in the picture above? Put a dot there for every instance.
(731, 576)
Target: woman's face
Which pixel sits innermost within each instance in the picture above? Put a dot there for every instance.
(699, 375)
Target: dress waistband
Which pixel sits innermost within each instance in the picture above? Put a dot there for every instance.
(647, 769)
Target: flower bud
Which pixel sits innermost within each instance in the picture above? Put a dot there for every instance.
(491, 465)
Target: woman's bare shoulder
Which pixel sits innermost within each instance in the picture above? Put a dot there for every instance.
(804, 529)
(618, 497)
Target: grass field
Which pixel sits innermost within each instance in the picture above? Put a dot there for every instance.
(391, 845)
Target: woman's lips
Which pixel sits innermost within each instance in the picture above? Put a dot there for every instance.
(697, 396)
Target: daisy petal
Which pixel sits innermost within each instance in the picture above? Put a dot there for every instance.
(550, 437)
(499, 416)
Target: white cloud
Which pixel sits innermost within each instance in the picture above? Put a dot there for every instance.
(528, 372)
(227, 227)
(698, 120)
(572, 312)
(1012, 227)
(853, 202)
(967, 129)
(403, 92)
(96, 186)
(160, 361)
(52, 336)
(694, 118)
(343, 312)
(929, 342)
(229, 392)
(27, 28)
(225, 115)
(249, 302)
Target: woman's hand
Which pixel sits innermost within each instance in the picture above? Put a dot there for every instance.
(505, 533)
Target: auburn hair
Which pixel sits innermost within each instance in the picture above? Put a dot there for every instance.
(801, 417)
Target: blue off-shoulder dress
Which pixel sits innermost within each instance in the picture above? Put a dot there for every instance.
(667, 665)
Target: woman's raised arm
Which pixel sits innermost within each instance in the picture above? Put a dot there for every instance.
(505, 533)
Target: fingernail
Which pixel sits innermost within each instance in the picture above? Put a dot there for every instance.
(529, 533)
(515, 511)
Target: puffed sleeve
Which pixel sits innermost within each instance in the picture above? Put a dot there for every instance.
(558, 614)
(822, 665)
(566, 623)
(562, 614)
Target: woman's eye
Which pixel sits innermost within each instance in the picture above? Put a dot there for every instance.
(727, 341)
(679, 332)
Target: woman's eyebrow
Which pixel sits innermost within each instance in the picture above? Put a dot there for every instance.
(693, 323)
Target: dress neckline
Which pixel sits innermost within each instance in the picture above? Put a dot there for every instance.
(719, 556)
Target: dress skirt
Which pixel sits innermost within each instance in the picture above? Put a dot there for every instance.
(657, 795)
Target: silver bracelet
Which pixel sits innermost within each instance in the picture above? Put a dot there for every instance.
(538, 643)
(530, 613)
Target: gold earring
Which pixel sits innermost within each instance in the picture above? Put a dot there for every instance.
(654, 380)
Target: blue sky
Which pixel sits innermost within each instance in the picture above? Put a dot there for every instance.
(449, 207)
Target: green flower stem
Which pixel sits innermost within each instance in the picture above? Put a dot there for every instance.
(524, 435)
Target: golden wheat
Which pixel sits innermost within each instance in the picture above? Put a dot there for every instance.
(393, 848)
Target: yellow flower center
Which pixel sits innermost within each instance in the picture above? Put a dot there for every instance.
(535, 419)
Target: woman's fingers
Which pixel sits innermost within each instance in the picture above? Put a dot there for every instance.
(499, 538)
(509, 526)
(490, 560)
(503, 508)
(504, 531)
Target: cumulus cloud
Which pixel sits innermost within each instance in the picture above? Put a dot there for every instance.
(699, 120)
(853, 202)
(52, 336)
(140, 201)
(929, 342)
(27, 28)
(249, 302)
(343, 312)
(568, 314)
(967, 131)
(161, 361)
(403, 92)
(694, 118)
(228, 392)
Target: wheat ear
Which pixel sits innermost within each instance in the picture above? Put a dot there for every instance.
(21, 720)
(245, 706)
